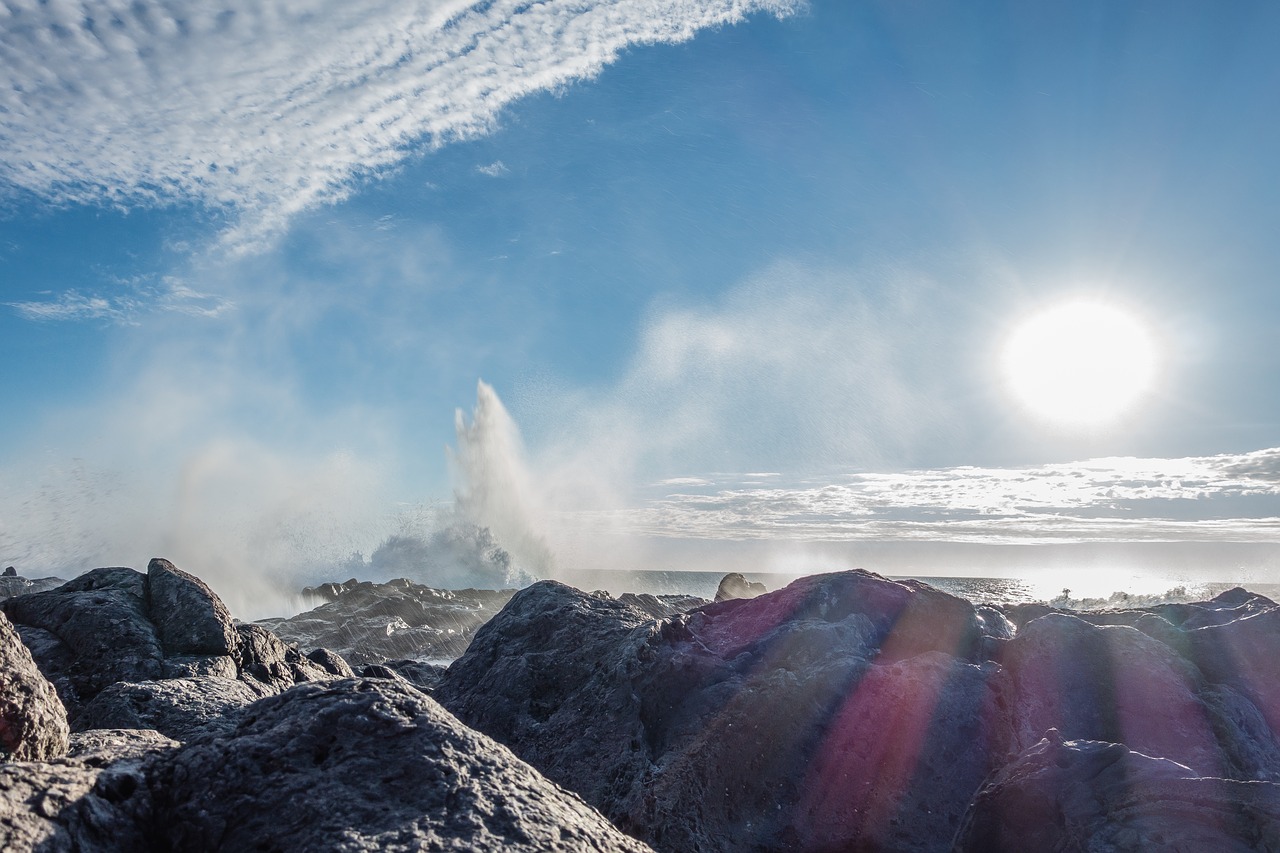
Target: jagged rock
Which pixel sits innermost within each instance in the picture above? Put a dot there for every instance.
(95, 801)
(33, 722)
(179, 708)
(701, 732)
(1106, 683)
(363, 765)
(1244, 654)
(661, 606)
(189, 618)
(368, 623)
(735, 585)
(331, 662)
(196, 666)
(1089, 795)
(11, 585)
(424, 676)
(98, 633)
(268, 665)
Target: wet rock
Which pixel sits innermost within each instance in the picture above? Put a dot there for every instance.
(1106, 683)
(189, 618)
(102, 747)
(196, 666)
(1244, 654)
(661, 606)
(269, 665)
(368, 623)
(179, 708)
(1089, 795)
(424, 676)
(33, 722)
(735, 585)
(331, 662)
(11, 585)
(363, 765)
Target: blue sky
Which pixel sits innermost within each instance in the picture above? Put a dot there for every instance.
(252, 262)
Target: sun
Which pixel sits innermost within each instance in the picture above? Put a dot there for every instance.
(1080, 364)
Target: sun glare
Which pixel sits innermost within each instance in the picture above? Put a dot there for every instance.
(1080, 364)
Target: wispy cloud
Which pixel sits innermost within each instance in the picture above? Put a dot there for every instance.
(1224, 498)
(126, 307)
(265, 110)
(496, 169)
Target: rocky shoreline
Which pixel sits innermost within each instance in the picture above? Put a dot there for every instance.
(843, 712)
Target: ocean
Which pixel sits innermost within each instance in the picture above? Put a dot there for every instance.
(1085, 591)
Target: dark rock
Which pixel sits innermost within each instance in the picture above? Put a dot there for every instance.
(101, 747)
(994, 624)
(189, 618)
(1111, 683)
(707, 731)
(10, 572)
(1086, 795)
(12, 585)
(1021, 614)
(424, 676)
(661, 606)
(368, 623)
(735, 585)
(98, 633)
(179, 708)
(33, 723)
(196, 666)
(1244, 654)
(268, 665)
(331, 662)
(362, 765)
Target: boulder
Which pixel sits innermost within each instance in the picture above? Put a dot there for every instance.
(189, 618)
(179, 708)
(362, 765)
(269, 665)
(1106, 683)
(368, 623)
(1244, 654)
(1089, 795)
(33, 723)
(661, 606)
(11, 585)
(735, 585)
(98, 633)
(331, 662)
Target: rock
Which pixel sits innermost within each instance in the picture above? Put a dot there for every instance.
(95, 800)
(13, 584)
(195, 666)
(179, 708)
(735, 585)
(1088, 795)
(1243, 654)
(707, 731)
(33, 723)
(661, 606)
(362, 765)
(368, 623)
(424, 676)
(10, 572)
(98, 633)
(1110, 683)
(189, 618)
(268, 665)
(331, 662)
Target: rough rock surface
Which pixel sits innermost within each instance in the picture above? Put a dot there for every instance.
(33, 723)
(11, 585)
(179, 708)
(269, 665)
(849, 712)
(363, 765)
(701, 732)
(98, 633)
(735, 585)
(1090, 795)
(368, 623)
(189, 618)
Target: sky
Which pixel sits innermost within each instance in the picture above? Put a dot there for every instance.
(634, 284)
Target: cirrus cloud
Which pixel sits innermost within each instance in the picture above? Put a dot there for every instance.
(266, 110)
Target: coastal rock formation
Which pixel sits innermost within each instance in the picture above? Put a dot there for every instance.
(362, 765)
(179, 708)
(33, 723)
(368, 623)
(117, 625)
(850, 712)
(735, 585)
(11, 584)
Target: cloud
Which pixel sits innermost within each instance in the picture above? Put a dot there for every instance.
(264, 111)
(496, 169)
(1223, 498)
(134, 301)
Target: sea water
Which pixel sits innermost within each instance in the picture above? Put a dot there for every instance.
(1077, 590)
